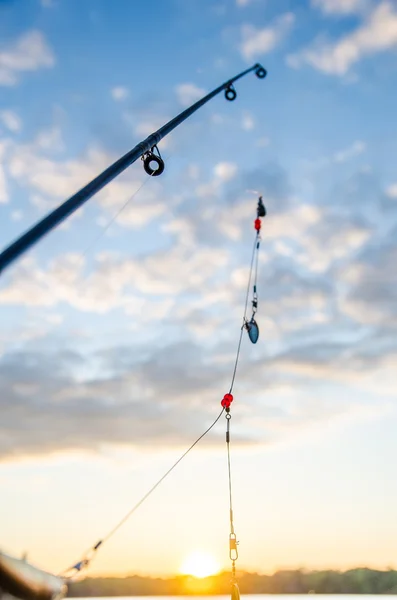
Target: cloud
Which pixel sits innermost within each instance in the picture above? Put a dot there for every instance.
(11, 120)
(256, 42)
(148, 399)
(52, 180)
(340, 7)
(55, 397)
(3, 180)
(377, 34)
(225, 170)
(319, 329)
(50, 139)
(187, 93)
(344, 237)
(119, 93)
(29, 53)
(146, 127)
(145, 121)
(247, 122)
(354, 150)
(340, 156)
(109, 286)
(372, 280)
(17, 215)
(392, 191)
(3, 186)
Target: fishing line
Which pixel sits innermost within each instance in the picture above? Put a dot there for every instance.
(225, 403)
(244, 317)
(112, 220)
(84, 562)
(81, 256)
(118, 213)
(253, 333)
(144, 150)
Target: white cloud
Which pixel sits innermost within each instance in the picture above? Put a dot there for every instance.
(260, 41)
(29, 53)
(340, 156)
(372, 285)
(348, 153)
(294, 299)
(193, 171)
(62, 282)
(143, 208)
(119, 93)
(344, 239)
(247, 122)
(147, 124)
(294, 223)
(340, 7)
(52, 180)
(3, 186)
(188, 93)
(392, 191)
(16, 215)
(242, 2)
(3, 182)
(225, 170)
(145, 128)
(109, 285)
(50, 139)
(11, 120)
(56, 179)
(378, 33)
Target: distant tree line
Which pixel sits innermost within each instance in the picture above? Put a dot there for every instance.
(354, 581)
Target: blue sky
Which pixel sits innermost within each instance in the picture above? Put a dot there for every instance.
(117, 343)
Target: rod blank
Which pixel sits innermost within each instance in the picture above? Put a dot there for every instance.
(33, 235)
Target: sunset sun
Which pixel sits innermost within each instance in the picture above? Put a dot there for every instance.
(199, 564)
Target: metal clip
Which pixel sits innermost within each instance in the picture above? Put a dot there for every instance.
(233, 543)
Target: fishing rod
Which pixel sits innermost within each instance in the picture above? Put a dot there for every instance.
(147, 150)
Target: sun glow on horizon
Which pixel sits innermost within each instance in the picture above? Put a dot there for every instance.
(200, 564)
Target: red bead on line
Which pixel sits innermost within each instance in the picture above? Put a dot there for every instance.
(258, 224)
(227, 400)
